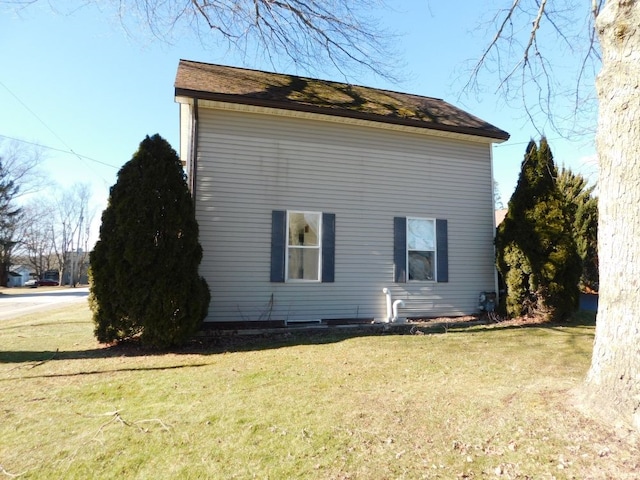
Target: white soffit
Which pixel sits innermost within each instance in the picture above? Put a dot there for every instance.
(238, 107)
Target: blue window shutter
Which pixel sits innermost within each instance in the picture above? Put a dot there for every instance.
(278, 244)
(442, 244)
(328, 247)
(399, 249)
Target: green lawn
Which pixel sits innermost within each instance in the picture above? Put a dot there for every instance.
(481, 402)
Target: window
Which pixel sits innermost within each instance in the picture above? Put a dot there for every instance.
(303, 245)
(421, 249)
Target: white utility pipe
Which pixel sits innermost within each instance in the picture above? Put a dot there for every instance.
(396, 305)
(387, 293)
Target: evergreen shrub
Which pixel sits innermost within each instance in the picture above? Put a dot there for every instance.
(145, 279)
(536, 251)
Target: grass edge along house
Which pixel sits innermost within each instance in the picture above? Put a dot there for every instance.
(327, 202)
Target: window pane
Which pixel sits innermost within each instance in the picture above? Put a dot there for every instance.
(420, 234)
(303, 263)
(421, 265)
(304, 229)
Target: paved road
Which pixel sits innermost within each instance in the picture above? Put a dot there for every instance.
(15, 302)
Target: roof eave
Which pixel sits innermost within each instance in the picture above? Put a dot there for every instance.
(498, 135)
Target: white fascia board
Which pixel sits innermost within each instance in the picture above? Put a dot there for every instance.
(237, 107)
(183, 100)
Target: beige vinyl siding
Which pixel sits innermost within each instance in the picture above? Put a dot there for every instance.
(250, 164)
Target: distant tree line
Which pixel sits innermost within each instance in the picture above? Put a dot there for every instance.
(41, 226)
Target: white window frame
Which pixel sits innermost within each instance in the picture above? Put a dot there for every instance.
(309, 247)
(435, 250)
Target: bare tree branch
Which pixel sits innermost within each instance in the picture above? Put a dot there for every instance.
(22, 162)
(36, 243)
(521, 55)
(500, 33)
(524, 61)
(71, 231)
(311, 34)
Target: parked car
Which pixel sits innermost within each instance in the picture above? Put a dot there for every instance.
(33, 283)
(47, 283)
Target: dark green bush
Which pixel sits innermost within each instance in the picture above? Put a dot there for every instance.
(536, 251)
(582, 206)
(144, 267)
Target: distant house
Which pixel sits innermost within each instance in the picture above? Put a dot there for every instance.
(314, 196)
(76, 268)
(14, 280)
(500, 215)
(18, 275)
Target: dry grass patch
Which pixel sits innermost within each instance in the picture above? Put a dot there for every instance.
(480, 402)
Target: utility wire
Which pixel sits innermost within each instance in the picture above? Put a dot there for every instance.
(507, 144)
(69, 149)
(514, 144)
(70, 152)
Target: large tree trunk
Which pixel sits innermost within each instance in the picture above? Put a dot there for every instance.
(613, 382)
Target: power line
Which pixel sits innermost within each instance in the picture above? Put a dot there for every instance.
(69, 149)
(70, 152)
(513, 144)
(34, 114)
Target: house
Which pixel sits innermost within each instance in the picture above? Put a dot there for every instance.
(76, 268)
(14, 279)
(314, 196)
(500, 214)
(19, 275)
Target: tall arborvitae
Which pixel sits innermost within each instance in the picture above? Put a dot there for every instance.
(145, 266)
(536, 251)
(583, 209)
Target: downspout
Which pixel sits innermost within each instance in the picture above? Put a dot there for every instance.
(194, 151)
(496, 283)
(387, 293)
(396, 305)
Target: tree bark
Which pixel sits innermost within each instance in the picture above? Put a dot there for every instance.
(613, 381)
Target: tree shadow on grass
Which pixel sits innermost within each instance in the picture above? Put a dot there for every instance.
(581, 319)
(106, 371)
(45, 324)
(221, 342)
(28, 361)
(234, 341)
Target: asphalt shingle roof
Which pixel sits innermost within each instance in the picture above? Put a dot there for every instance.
(253, 87)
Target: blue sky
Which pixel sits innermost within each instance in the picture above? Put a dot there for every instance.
(75, 80)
